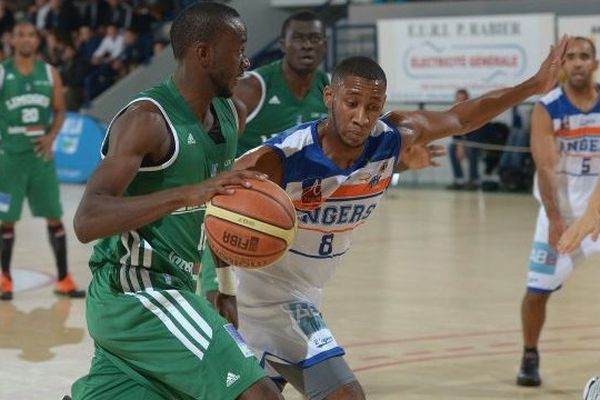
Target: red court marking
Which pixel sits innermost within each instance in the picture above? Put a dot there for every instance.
(464, 356)
(503, 344)
(588, 337)
(459, 348)
(550, 340)
(374, 358)
(371, 343)
(418, 353)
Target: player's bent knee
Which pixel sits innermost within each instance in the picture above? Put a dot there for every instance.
(264, 389)
(350, 391)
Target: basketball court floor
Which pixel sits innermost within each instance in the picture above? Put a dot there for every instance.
(426, 305)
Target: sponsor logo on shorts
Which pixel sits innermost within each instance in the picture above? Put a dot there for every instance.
(4, 202)
(231, 379)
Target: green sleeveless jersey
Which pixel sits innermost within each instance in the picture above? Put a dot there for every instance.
(172, 245)
(25, 105)
(279, 109)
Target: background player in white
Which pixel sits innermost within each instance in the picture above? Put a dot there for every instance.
(565, 141)
(335, 171)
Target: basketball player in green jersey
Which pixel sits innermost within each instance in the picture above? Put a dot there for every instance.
(32, 111)
(154, 337)
(279, 96)
(289, 91)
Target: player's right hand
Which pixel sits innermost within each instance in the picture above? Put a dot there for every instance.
(220, 184)
(586, 224)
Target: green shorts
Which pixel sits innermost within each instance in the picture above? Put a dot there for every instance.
(208, 272)
(160, 342)
(26, 175)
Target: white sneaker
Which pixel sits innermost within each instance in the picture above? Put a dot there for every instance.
(592, 389)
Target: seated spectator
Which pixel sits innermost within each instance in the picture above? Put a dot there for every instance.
(96, 14)
(52, 48)
(458, 151)
(133, 55)
(87, 43)
(111, 47)
(106, 64)
(120, 14)
(73, 69)
(7, 19)
(38, 12)
(62, 18)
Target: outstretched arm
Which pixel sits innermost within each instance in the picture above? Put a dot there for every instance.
(588, 223)
(466, 116)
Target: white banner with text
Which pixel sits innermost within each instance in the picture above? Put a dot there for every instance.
(428, 59)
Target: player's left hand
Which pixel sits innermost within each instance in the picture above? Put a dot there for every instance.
(43, 146)
(547, 76)
(418, 156)
(227, 306)
(589, 223)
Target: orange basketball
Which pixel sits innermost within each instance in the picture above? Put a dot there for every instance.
(253, 227)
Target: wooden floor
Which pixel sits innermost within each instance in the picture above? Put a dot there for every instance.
(426, 305)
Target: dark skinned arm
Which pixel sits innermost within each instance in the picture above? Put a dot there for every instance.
(140, 133)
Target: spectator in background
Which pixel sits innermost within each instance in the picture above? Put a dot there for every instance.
(458, 151)
(7, 19)
(106, 63)
(52, 48)
(111, 47)
(96, 14)
(73, 69)
(38, 12)
(87, 43)
(62, 18)
(120, 14)
(133, 55)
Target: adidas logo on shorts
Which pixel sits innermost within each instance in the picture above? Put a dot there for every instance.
(231, 379)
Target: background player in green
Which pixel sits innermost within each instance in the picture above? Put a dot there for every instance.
(154, 337)
(289, 91)
(32, 110)
(279, 96)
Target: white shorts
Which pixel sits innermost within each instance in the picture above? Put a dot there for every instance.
(547, 269)
(288, 332)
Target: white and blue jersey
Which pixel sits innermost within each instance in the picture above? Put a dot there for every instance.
(278, 305)
(578, 140)
(577, 135)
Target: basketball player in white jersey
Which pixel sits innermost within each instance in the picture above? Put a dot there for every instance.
(565, 142)
(336, 170)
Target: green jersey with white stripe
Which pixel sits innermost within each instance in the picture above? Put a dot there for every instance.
(172, 245)
(279, 109)
(25, 105)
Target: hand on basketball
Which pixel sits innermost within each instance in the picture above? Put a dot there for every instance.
(419, 156)
(221, 184)
(227, 306)
(43, 146)
(589, 223)
(549, 71)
